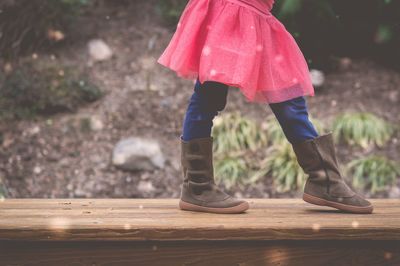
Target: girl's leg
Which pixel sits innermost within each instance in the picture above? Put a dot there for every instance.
(199, 190)
(207, 100)
(292, 115)
(316, 156)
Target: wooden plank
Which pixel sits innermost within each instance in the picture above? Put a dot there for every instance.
(221, 253)
(160, 219)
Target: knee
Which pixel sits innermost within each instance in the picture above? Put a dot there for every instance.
(212, 96)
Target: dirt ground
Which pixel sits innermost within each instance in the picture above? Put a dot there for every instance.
(51, 157)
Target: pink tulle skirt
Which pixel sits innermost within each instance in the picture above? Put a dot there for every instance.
(241, 44)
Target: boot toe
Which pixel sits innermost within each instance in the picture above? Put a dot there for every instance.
(238, 205)
(228, 206)
(354, 204)
(356, 201)
(363, 202)
(237, 202)
(358, 204)
(227, 203)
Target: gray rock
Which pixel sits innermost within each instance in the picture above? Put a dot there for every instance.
(37, 170)
(99, 50)
(317, 77)
(394, 96)
(138, 154)
(96, 123)
(145, 186)
(394, 192)
(34, 130)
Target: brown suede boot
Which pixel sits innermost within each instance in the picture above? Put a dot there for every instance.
(325, 185)
(199, 190)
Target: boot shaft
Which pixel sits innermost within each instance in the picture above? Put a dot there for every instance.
(199, 187)
(196, 160)
(317, 157)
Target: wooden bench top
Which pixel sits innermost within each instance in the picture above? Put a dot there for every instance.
(160, 219)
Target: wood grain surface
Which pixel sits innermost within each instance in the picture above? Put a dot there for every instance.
(160, 219)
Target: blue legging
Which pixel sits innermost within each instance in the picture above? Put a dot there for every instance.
(210, 97)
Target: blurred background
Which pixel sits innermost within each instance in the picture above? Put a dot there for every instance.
(86, 111)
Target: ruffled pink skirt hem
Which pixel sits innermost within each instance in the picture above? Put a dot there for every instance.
(241, 45)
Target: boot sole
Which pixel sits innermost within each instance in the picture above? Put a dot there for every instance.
(343, 207)
(183, 205)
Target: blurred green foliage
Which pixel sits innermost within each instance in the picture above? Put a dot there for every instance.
(240, 142)
(362, 129)
(231, 171)
(376, 173)
(233, 132)
(236, 139)
(281, 164)
(44, 88)
(26, 25)
(170, 10)
(2, 191)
